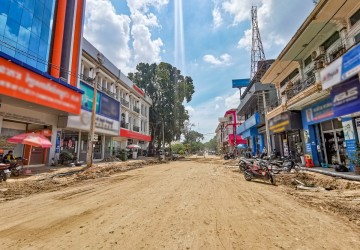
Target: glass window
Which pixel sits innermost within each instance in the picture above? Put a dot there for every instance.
(4, 7)
(47, 17)
(36, 26)
(331, 40)
(29, 5)
(15, 11)
(34, 43)
(356, 38)
(43, 49)
(44, 35)
(26, 20)
(337, 124)
(12, 30)
(355, 17)
(24, 37)
(8, 47)
(3, 20)
(39, 9)
(21, 53)
(327, 126)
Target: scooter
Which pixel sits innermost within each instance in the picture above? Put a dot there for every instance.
(259, 170)
(17, 166)
(4, 172)
(228, 156)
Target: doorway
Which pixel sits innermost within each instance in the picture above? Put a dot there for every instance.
(333, 141)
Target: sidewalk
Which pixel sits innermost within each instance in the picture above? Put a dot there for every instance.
(332, 172)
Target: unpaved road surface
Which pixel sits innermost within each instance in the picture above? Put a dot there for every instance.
(180, 205)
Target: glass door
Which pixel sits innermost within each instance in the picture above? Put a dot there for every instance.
(330, 147)
(342, 153)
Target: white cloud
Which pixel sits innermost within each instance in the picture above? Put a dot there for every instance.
(217, 18)
(190, 109)
(224, 59)
(233, 101)
(108, 32)
(125, 40)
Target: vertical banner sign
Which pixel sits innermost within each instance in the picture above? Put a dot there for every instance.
(286, 149)
(357, 122)
(58, 139)
(350, 139)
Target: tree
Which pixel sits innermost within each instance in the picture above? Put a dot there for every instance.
(168, 89)
(178, 148)
(211, 145)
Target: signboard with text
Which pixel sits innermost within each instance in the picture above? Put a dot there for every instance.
(24, 84)
(240, 83)
(346, 97)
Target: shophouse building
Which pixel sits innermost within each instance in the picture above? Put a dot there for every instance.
(122, 112)
(316, 77)
(39, 60)
(253, 102)
(228, 139)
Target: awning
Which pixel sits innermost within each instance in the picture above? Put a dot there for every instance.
(134, 135)
(249, 123)
(287, 121)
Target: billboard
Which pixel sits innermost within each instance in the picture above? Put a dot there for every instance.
(240, 83)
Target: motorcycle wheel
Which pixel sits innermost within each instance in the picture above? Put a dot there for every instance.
(247, 176)
(226, 158)
(15, 173)
(242, 167)
(273, 179)
(3, 177)
(297, 168)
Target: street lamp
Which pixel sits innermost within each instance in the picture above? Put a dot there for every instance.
(89, 154)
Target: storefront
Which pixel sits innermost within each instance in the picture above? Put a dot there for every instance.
(74, 137)
(285, 132)
(127, 137)
(249, 131)
(342, 76)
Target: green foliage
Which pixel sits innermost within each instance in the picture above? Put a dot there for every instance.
(168, 89)
(176, 148)
(181, 152)
(211, 145)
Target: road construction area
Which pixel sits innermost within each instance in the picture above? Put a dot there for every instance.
(189, 204)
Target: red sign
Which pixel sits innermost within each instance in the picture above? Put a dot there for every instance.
(21, 83)
(133, 135)
(139, 90)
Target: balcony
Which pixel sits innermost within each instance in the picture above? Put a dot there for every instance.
(125, 103)
(136, 109)
(300, 86)
(337, 50)
(136, 128)
(87, 79)
(124, 125)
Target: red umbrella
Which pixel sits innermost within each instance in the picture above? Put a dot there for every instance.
(31, 139)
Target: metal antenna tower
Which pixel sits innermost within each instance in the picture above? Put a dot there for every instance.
(257, 50)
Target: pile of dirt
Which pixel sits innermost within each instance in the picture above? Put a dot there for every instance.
(316, 180)
(339, 196)
(18, 189)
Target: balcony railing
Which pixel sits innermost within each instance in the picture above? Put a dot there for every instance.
(125, 103)
(124, 125)
(87, 79)
(300, 86)
(274, 103)
(338, 50)
(136, 128)
(136, 109)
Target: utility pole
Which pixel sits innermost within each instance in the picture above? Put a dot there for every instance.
(89, 153)
(266, 125)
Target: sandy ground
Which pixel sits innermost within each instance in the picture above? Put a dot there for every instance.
(197, 204)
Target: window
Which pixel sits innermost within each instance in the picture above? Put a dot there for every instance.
(357, 38)
(307, 61)
(289, 77)
(25, 30)
(355, 18)
(331, 40)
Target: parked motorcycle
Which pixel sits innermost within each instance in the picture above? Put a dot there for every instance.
(244, 163)
(259, 170)
(4, 172)
(286, 164)
(16, 166)
(229, 156)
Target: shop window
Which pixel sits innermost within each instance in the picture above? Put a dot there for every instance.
(337, 124)
(327, 126)
(355, 18)
(331, 40)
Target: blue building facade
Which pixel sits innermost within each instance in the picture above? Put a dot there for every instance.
(26, 30)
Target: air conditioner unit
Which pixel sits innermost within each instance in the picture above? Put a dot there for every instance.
(318, 53)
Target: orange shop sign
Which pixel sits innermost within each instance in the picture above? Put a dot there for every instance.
(21, 83)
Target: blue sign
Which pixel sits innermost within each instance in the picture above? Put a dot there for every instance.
(58, 139)
(319, 112)
(351, 63)
(346, 97)
(250, 133)
(240, 83)
(249, 123)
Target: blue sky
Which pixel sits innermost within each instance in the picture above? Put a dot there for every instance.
(217, 42)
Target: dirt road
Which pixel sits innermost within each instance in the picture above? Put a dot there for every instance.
(181, 205)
